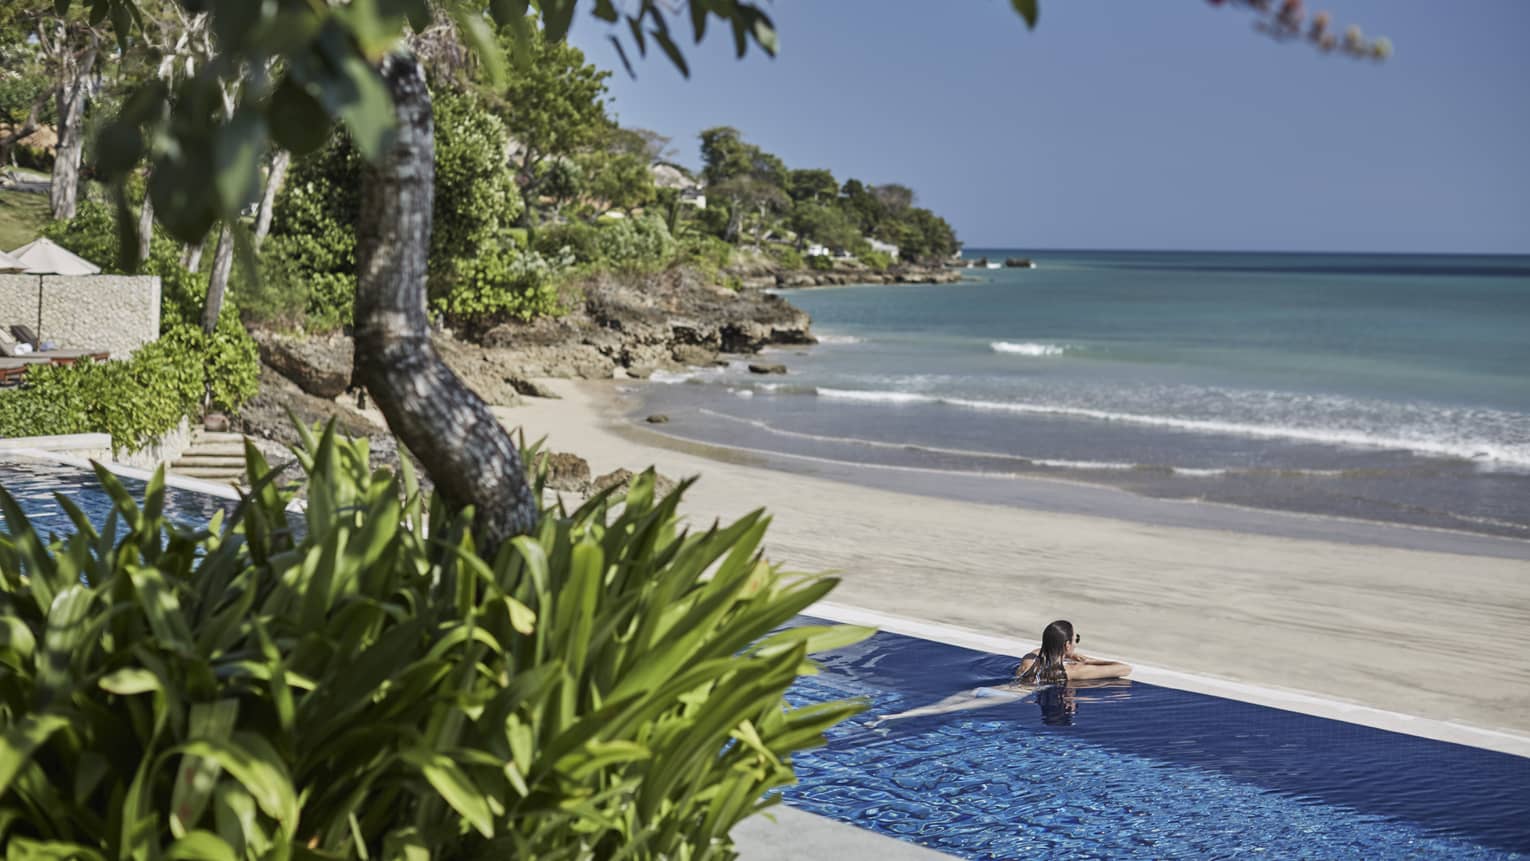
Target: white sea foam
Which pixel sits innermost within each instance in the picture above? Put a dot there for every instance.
(671, 377)
(830, 338)
(1083, 464)
(1446, 442)
(877, 397)
(1026, 348)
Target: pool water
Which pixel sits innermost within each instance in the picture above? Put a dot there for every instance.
(35, 483)
(1122, 770)
(1130, 770)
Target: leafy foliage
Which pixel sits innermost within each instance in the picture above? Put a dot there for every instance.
(642, 243)
(367, 687)
(309, 261)
(503, 284)
(138, 399)
(554, 105)
(476, 195)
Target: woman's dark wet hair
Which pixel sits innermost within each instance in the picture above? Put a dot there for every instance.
(1049, 659)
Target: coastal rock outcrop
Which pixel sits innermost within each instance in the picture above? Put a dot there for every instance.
(567, 472)
(265, 415)
(622, 478)
(319, 366)
(643, 323)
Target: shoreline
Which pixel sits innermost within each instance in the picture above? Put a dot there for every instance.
(1059, 494)
(1323, 611)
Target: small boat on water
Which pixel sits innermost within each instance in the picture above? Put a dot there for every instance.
(993, 264)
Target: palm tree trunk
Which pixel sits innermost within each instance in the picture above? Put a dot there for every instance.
(463, 447)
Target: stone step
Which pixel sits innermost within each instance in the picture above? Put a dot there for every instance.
(215, 461)
(216, 437)
(223, 449)
(207, 473)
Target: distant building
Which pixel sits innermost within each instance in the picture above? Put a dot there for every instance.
(887, 248)
(670, 175)
(818, 250)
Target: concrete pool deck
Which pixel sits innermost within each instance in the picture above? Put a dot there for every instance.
(796, 835)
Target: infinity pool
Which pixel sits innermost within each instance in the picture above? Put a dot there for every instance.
(34, 484)
(1130, 770)
(1124, 770)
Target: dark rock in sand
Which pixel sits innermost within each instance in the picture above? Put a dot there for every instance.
(568, 472)
(319, 366)
(621, 479)
(265, 415)
(767, 369)
(693, 354)
(532, 388)
(657, 419)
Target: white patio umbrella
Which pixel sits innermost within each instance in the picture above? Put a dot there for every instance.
(11, 264)
(45, 257)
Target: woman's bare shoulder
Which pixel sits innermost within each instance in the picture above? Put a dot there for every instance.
(1026, 662)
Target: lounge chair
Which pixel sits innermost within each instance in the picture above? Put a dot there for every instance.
(23, 334)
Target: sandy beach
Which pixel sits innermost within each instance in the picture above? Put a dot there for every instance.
(1386, 623)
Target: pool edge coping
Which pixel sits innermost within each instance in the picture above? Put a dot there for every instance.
(179, 482)
(1301, 702)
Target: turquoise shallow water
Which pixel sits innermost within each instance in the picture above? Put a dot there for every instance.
(1384, 387)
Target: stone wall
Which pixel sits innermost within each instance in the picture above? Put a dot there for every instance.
(115, 313)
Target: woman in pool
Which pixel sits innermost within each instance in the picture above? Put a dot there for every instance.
(1057, 662)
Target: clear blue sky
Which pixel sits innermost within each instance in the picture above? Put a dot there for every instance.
(1167, 124)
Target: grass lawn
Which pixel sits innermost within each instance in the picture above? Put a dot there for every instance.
(22, 217)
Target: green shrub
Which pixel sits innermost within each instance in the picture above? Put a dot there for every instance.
(574, 240)
(310, 257)
(786, 257)
(877, 260)
(642, 243)
(136, 400)
(820, 262)
(707, 253)
(506, 284)
(476, 195)
(610, 686)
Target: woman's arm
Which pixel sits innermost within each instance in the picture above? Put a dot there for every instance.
(1095, 669)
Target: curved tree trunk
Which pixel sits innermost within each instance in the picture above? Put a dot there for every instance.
(463, 447)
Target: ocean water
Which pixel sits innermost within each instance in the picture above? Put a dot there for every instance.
(1391, 388)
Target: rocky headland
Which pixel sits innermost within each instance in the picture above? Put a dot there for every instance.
(622, 326)
(756, 270)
